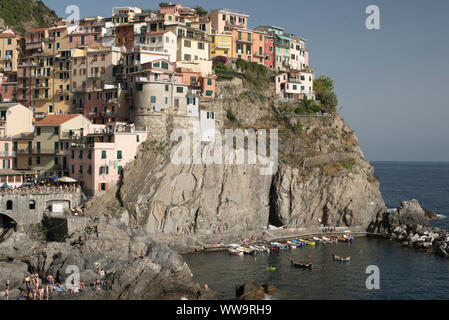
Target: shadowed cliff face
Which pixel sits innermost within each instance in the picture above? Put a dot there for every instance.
(322, 178)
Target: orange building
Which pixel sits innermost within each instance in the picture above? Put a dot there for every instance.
(251, 46)
(197, 81)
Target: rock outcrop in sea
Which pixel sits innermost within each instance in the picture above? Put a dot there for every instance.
(410, 225)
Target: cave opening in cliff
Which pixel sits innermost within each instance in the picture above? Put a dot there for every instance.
(6, 223)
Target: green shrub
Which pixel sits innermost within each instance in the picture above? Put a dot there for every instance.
(349, 164)
(231, 116)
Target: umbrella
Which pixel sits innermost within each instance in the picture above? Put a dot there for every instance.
(5, 185)
(67, 180)
(53, 178)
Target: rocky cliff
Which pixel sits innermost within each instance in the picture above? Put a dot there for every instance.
(322, 176)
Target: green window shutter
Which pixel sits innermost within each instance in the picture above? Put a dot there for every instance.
(107, 169)
(119, 169)
(137, 138)
(103, 154)
(119, 154)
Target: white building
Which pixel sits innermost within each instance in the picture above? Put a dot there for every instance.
(160, 42)
(207, 126)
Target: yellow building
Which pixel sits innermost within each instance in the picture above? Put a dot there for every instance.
(11, 48)
(51, 141)
(121, 15)
(192, 44)
(220, 45)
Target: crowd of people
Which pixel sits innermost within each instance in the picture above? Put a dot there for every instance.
(41, 188)
(36, 290)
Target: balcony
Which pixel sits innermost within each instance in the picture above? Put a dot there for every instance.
(111, 114)
(7, 154)
(111, 101)
(33, 45)
(95, 75)
(244, 40)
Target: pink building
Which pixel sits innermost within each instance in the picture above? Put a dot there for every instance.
(98, 161)
(227, 19)
(171, 9)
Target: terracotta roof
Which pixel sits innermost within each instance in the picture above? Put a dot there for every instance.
(38, 29)
(56, 119)
(7, 35)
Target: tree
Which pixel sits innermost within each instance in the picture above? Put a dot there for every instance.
(201, 11)
(324, 88)
(163, 4)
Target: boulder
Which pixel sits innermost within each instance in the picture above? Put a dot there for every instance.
(252, 291)
(410, 212)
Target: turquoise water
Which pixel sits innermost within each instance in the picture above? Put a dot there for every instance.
(404, 273)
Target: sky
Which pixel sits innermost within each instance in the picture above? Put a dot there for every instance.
(391, 83)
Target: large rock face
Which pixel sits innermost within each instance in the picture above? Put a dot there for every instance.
(323, 177)
(187, 199)
(343, 200)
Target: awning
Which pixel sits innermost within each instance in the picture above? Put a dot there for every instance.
(67, 180)
(53, 178)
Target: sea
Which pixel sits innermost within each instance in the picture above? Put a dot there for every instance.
(400, 273)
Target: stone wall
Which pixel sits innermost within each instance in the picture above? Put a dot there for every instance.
(18, 206)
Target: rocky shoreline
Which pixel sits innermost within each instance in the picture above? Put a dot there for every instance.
(127, 264)
(409, 224)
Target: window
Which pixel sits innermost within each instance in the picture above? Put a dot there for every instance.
(103, 154)
(9, 41)
(209, 82)
(38, 131)
(89, 169)
(119, 169)
(119, 154)
(209, 93)
(187, 43)
(164, 65)
(137, 138)
(179, 89)
(9, 205)
(153, 99)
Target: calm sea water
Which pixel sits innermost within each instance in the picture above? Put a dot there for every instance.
(404, 273)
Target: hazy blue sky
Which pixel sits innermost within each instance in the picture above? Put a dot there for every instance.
(392, 84)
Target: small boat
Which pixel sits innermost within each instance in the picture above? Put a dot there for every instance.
(299, 243)
(279, 245)
(235, 252)
(308, 242)
(341, 258)
(292, 244)
(269, 268)
(318, 240)
(301, 265)
(343, 239)
(246, 250)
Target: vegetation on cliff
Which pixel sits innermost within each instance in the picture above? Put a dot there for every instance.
(21, 15)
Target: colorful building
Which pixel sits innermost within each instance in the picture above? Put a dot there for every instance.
(226, 19)
(98, 160)
(52, 138)
(220, 45)
(11, 48)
